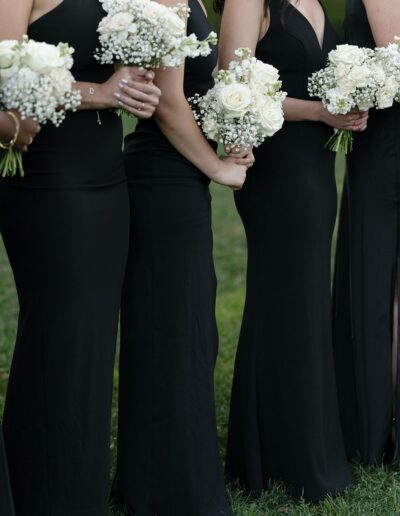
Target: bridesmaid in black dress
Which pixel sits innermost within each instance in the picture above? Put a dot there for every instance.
(284, 421)
(367, 266)
(168, 458)
(65, 228)
(23, 132)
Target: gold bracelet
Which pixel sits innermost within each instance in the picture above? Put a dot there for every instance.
(13, 141)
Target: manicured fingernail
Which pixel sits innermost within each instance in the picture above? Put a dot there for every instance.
(116, 94)
(125, 81)
(120, 103)
(121, 85)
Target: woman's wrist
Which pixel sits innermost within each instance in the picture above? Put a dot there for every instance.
(10, 128)
(213, 168)
(94, 95)
(7, 127)
(317, 111)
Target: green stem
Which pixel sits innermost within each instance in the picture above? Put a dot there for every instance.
(11, 163)
(341, 141)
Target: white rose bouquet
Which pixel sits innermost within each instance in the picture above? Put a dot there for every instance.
(147, 34)
(352, 79)
(245, 105)
(35, 79)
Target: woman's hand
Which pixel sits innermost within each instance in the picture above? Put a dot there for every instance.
(130, 88)
(28, 130)
(138, 97)
(356, 120)
(229, 173)
(242, 156)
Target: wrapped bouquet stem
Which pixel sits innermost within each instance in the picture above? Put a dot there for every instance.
(245, 105)
(36, 81)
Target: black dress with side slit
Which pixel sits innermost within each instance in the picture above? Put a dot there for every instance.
(65, 227)
(284, 419)
(168, 458)
(367, 278)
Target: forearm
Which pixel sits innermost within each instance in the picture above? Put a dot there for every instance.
(384, 18)
(297, 110)
(177, 123)
(240, 27)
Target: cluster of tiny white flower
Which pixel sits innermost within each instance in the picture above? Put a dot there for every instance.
(354, 78)
(245, 105)
(148, 34)
(35, 79)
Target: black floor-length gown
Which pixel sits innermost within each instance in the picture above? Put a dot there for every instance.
(168, 459)
(367, 275)
(6, 501)
(66, 228)
(284, 420)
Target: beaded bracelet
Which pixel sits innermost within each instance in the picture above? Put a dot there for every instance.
(13, 141)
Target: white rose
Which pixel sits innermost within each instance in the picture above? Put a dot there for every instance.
(120, 22)
(235, 100)
(174, 24)
(350, 78)
(271, 116)
(360, 75)
(262, 74)
(41, 57)
(7, 53)
(387, 94)
(154, 11)
(6, 73)
(347, 54)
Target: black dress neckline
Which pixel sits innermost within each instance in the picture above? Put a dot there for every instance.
(311, 26)
(48, 13)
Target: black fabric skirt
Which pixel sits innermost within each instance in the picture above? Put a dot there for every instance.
(6, 501)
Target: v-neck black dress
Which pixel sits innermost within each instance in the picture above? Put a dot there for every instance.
(368, 276)
(284, 420)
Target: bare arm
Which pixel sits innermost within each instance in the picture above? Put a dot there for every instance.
(384, 18)
(15, 16)
(175, 119)
(242, 26)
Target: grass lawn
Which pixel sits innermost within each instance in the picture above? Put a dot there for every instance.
(376, 491)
